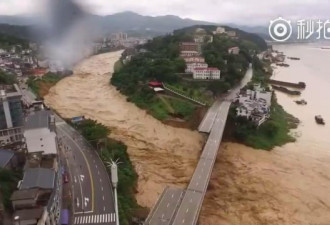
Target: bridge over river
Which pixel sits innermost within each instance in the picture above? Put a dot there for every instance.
(181, 207)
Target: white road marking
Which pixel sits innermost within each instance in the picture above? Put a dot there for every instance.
(86, 201)
(103, 197)
(103, 208)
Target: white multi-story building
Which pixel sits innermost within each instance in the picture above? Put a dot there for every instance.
(191, 66)
(219, 30)
(254, 105)
(189, 53)
(206, 73)
(231, 33)
(194, 59)
(234, 50)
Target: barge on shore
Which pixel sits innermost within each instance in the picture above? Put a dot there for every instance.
(300, 85)
(286, 90)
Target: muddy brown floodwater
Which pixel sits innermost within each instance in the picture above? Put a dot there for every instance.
(289, 185)
(162, 155)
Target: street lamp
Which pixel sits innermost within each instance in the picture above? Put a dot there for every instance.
(114, 179)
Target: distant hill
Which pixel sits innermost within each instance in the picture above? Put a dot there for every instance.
(130, 22)
(22, 32)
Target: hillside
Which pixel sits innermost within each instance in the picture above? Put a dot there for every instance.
(160, 61)
(17, 31)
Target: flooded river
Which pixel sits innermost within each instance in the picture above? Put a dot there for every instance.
(289, 185)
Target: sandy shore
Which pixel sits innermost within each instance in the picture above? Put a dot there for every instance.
(286, 186)
(162, 155)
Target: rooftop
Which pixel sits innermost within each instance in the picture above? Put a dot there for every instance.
(29, 214)
(39, 119)
(24, 194)
(189, 43)
(38, 178)
(9, 90)
(5, 157)
(41, 140)
(207, 69)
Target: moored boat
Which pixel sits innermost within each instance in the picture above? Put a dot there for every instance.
(301, 102)
(319, 119)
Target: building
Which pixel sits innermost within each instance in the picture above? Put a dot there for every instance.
(38, 200)
(231, 33)
(219, 30)
(234, 50)
(203, 38)
(191, 66)
(8, 159)
(206, 73)
(39, 133)
(190, 46)
(119, 36)
(254, 105)
(11, 115)
(189, 53)
(194, 59)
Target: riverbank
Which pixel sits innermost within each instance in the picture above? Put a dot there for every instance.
(162, 155)
(275, 131)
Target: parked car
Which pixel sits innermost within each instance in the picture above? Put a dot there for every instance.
(65, 178)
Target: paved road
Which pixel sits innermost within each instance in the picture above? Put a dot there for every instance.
(191, 204)
(208, 120)
(206, 125)
(186, 211)
(165, 209)
(93, 201)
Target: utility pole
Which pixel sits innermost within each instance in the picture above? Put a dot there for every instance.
(114, 180)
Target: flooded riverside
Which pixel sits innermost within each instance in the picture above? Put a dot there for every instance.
(289, 185)
(162, 155)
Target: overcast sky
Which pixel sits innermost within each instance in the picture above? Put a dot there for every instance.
(245, 12)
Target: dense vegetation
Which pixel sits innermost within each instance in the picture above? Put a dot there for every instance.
(160, 61)
(6, 78)
(41, 86)
(8, 183)
(275, 131)
(7, 41)
(110, 149)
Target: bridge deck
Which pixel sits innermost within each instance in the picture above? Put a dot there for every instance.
(165, 208)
